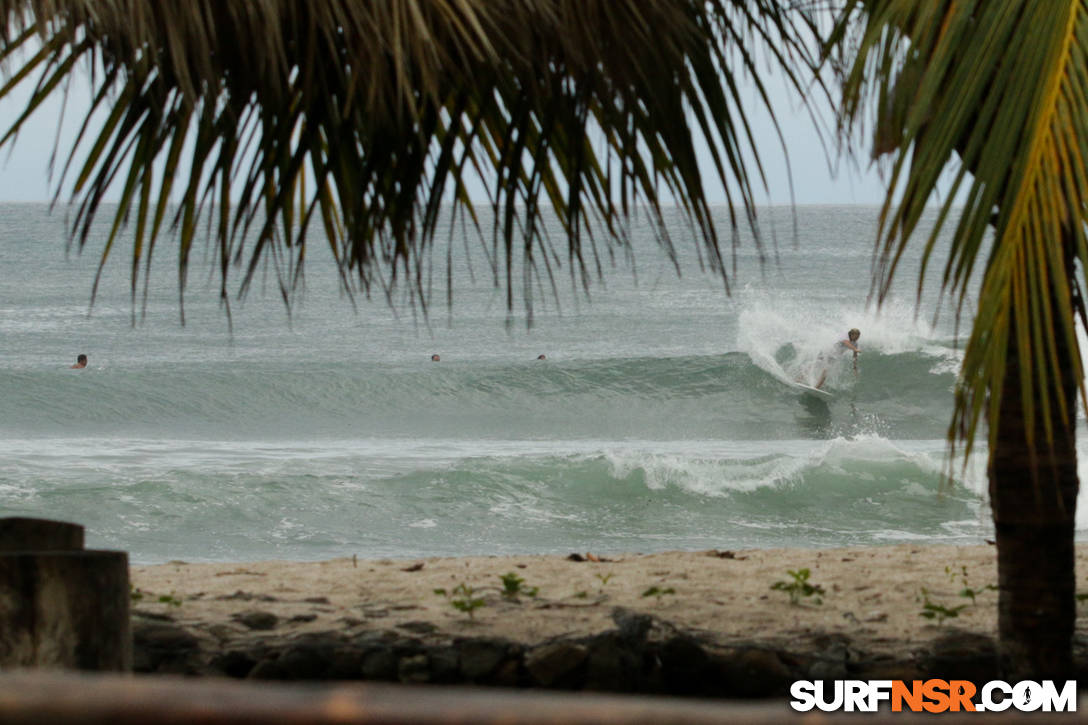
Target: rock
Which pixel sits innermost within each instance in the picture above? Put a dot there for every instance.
(444, 664)
(233, 663)
(479, 657)
(507, 674)
(379, 664)
(157, 616)
(161, 647)
(256, 619)
(419, 627)
(346, 663)
(371, 640)
(962, 655)
(827, 669)
(685, 667)
(633, 626)
(268, 669)
(389, 640)
(756, 673)
(888, 670)
(835, 647)
(222, 632)
(611, 666)
(835, 659)
(643, 653)
(414, 669)
(549, 663)
(308, 659)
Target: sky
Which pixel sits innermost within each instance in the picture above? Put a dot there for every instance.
(817, 179)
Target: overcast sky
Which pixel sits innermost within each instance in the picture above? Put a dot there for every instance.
(24, 167)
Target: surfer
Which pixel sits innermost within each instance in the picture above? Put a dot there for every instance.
(436, 358)
(81, 362)
(541, 356)
(850, 343)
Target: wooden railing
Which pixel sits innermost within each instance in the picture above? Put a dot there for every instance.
(62, 698)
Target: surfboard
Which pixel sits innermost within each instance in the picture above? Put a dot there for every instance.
(809, 389)
(770, 365)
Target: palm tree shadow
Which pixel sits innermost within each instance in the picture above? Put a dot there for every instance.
(816, 419)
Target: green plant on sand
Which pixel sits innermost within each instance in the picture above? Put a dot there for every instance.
(659, 592)
(936, 610)
(513, 585)
(799, 587)
(461, 598)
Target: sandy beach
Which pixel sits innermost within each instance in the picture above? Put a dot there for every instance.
(872, 598)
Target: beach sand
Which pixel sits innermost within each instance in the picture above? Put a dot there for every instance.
(872, 595)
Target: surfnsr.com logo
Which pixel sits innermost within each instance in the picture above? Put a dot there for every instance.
(933, 696)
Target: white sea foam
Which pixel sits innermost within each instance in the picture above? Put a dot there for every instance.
(797, 339)
(719, 472)
(706, 476)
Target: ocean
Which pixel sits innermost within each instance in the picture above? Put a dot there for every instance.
(660, 419)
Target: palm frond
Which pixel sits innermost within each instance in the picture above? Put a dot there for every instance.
(998, 92)
(367, 117)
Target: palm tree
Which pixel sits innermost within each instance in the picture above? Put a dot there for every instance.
(998, 93)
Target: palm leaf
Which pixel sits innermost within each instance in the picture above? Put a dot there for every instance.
(999, 92)
(389, 107)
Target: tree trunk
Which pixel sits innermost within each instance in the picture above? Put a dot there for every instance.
(1034, 508)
